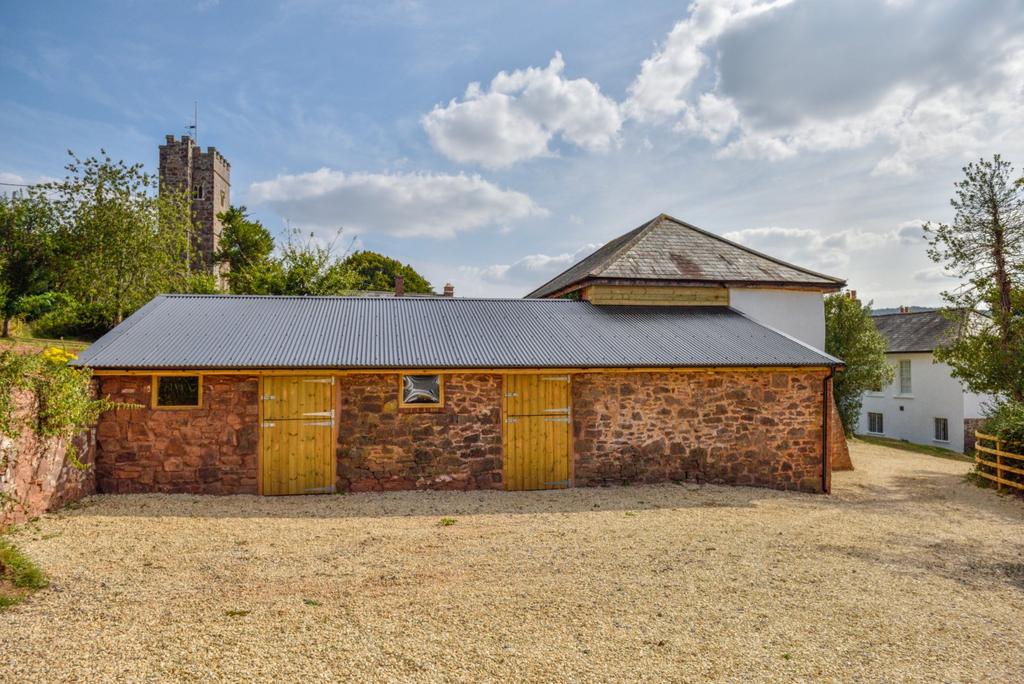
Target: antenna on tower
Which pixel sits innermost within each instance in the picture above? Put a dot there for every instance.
(193, 128)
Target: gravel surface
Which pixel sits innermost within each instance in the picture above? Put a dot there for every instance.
(906, 574)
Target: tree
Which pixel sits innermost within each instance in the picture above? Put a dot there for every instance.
(850, 335)
(303, 268)
(984, 248)
(373, 271)
(244, 242)
(119, 241)
(26, 250)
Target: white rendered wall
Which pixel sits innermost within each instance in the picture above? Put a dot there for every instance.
(935, 394)
(796, 313)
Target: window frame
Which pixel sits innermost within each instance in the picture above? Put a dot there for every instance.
(155, 392)
(935, 430)
(881, 423)
(419, 404)
(908, 389)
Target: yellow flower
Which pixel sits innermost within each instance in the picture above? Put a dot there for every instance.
(57, 355)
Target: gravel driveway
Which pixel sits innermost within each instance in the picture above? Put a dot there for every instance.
(907, 573)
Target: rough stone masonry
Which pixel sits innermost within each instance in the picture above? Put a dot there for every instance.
(746, 427)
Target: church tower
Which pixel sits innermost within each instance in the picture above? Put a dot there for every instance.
(206, 176)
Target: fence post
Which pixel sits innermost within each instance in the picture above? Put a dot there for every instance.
(999, 465)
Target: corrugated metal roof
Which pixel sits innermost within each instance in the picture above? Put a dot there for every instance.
(666, 248)
(211, 331)
(920, 331)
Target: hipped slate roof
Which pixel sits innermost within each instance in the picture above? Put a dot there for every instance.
(228, 332)
(668, 249)
(921, 331)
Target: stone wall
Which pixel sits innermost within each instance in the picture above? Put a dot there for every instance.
(36, 475)
(207, 450)
(383, 447)
(838, 448)
(971, 425)
(736, 427)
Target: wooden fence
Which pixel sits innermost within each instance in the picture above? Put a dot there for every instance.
(989, 447)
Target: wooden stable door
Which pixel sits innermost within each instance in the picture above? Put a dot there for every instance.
(297, 435)
(538, 418)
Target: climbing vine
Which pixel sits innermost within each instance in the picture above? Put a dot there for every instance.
(65, 404)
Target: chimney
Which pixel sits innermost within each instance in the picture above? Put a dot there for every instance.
(399, 286)
(449, 290)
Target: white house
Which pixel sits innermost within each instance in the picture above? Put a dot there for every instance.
(925, 404)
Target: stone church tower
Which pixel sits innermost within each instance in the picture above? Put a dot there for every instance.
(206, 176)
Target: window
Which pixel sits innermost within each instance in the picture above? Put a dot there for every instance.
(941, 430)
(223, 198)
(177, 391)
(199, 192)
(905, 386)
(421, 390)
(875, 424)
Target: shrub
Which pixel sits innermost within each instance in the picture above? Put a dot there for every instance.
(33, 307)
(1005, 419)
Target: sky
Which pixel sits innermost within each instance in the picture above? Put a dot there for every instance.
(493, 144)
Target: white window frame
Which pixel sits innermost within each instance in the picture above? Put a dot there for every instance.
(906, 381)
(945, 424)
(881, 422)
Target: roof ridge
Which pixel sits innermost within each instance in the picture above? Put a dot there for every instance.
(404, 298)
(639, 231)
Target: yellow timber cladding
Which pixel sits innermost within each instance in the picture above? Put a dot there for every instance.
(656, 295)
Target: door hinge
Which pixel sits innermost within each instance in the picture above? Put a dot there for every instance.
(511, 419)
(268, 424)
(268, 397)
(556, 419)
(316, 423)
(556, 378)
(329, 414)
(557, 410)
(511, 394)
(326, 381)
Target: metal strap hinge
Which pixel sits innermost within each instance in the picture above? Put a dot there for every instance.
(511, 394)
(268, 397)
(511, 419)
(556, 419)
(269, 424)
(314, 423)
(320, 413)
(326, 381)
(556, 378)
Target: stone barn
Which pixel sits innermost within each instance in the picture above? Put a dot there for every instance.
(660, 357)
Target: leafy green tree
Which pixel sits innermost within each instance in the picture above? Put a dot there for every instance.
(27, 229)
(304, 267)
(120, 241)
(984, 248)
(850, 335)
(373, 271)
(245, 246)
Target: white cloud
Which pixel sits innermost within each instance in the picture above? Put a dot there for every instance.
(768, 80)
(910, 232)
(520, 276)
(662, 87)
(812, 248)
(398, 204)
(518, 115)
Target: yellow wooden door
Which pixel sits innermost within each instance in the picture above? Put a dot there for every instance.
(538, 418)
(297, 435)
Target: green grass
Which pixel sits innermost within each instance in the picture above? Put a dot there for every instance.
(917, 448)
(446, 522)
(18, 575)
(45, 343)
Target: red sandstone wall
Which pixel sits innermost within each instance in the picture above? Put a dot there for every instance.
(208, 450)
(35, 474)
(736, 427)
(384, 447)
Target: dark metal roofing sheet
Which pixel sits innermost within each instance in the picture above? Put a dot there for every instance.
(211, 331)
(666, 248)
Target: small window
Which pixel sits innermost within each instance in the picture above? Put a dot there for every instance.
(199, 192)
(421, 390)
(905, 385)
(941, 429)
(223, 198)
(875, 424)
(177, 391)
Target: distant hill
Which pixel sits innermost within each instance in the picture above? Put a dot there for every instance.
(896, 309)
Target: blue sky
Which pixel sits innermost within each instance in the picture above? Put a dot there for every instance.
(821, 132)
